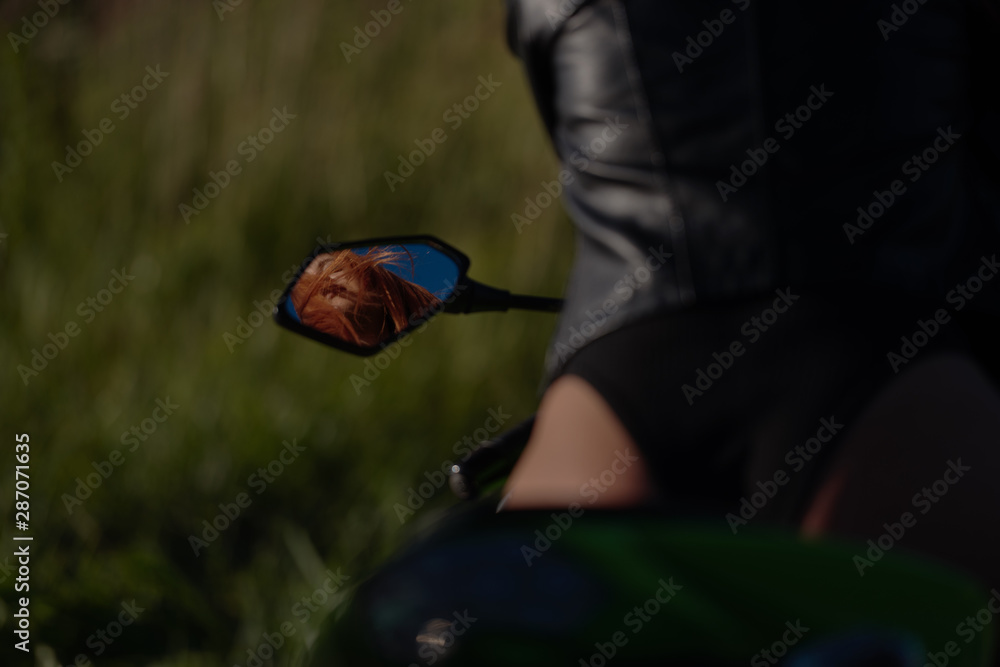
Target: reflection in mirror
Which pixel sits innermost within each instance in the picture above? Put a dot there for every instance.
(367, 296)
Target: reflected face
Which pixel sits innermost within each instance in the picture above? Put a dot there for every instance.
(355, 298)
(339, 290)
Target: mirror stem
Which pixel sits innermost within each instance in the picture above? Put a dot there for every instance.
(483, 298)
(539, 303)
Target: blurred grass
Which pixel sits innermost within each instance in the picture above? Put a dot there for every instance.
(163, 335)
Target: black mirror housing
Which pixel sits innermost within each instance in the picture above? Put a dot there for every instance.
(363, 295)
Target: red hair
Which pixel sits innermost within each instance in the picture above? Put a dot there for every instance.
(382, 302)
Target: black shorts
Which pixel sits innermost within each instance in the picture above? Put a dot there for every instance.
(731, 400)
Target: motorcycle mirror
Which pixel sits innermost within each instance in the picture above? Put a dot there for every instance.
(361, 296)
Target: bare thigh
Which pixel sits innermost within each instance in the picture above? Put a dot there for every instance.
(579, 452)
(929, 445)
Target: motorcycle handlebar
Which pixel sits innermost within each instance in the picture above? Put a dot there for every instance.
(491, 462)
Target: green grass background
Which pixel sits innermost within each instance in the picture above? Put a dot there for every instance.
(163, 335)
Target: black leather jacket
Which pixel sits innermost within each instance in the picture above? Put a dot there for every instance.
(720, 149)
